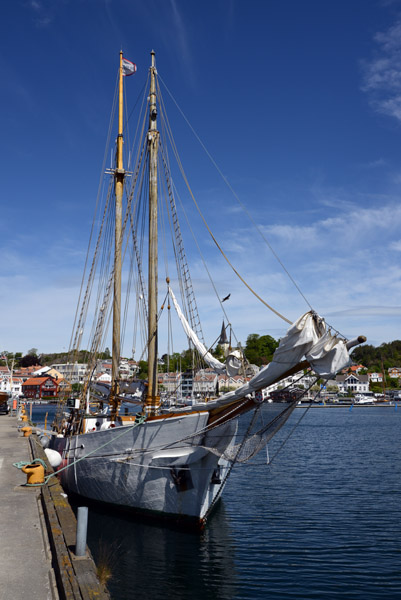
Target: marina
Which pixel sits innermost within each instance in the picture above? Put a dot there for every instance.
(199, 376)
(323, 521)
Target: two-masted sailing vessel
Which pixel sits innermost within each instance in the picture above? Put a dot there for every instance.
(165, 458)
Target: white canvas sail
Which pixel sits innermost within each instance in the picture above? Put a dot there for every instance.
(308, 338)
(234, 360)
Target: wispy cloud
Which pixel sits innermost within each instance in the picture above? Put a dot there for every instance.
(368, 311)
(382, 74)
(354, 226)
(396, 245)
(181, 34)
(374, 164)
(43, 14)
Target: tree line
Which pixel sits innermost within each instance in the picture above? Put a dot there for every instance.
(378, 359)
(258, 350)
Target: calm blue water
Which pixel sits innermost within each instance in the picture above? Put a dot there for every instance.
(321, 521)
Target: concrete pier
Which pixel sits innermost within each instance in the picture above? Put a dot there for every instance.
(38, 531)
(25, 563)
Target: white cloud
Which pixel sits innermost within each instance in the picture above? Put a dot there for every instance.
(43, 16)
(354, 227)
(368, 311)
(396, 245)
(382, 74)
(36, 5)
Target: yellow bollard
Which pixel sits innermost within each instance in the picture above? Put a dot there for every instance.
(35, 473)
(24, 418)
(27, 431)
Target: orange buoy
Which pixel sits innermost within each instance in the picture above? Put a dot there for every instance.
(35, 473)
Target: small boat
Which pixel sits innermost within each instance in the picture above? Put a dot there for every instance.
(166, 459)
(364, 399)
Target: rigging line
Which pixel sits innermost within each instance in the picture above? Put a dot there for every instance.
(167, 129)
(233, 462)
(90, 282)
(183, 271)
(141, 93)
(243, 208)
(175, 193)
(162, 195)
(294, 428)
(159, 314)
(224, 420)
(203, 260)
(129, 428)
(131, 154)
(97, 204)
(218, 245)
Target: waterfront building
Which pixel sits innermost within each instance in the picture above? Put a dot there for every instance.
(394, 372)
(72, 372)
(375, 377)
(205, 383)
(352, 382)
(40, 387)
(103, 378)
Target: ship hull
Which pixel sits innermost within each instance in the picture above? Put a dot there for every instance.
(171, 468)
(139, 468)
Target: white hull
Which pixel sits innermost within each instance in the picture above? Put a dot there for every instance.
(180, 479)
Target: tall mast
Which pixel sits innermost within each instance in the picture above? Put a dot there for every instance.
(152, 400)
(118, 190)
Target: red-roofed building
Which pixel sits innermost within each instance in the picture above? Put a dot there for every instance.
(40, 387)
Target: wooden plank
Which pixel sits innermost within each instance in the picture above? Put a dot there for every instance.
(65, 575)
(77, 576)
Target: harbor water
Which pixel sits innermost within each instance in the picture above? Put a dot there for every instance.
(322, 520)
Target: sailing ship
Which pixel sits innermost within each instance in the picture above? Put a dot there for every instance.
(166, 459)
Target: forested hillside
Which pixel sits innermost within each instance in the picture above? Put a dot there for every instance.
(258, 350)
(377, 359)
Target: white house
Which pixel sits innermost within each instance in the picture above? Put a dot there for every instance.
(72, 372)
(375, 377)
(394, 372)
(103, 378)
(205, 383)
(14, 388)
(351, 382)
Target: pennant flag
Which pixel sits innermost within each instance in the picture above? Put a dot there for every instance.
(129, 68)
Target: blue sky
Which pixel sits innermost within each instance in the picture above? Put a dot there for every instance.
(299, 104)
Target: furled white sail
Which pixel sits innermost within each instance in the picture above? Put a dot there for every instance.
(308, 338)
(234, 360)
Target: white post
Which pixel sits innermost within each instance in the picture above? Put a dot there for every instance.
(82, 527)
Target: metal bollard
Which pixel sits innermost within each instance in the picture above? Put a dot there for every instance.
(26, 431)
(82, 527)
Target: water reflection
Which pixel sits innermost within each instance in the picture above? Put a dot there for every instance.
(154, 561)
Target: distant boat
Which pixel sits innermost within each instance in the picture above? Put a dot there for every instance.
(167, 461)
(364, 399)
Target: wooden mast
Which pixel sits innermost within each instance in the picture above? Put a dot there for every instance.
(152, 399)
(119, 174)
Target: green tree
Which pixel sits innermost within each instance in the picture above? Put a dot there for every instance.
(143, 369)
(259, 350)
(218, 353)
(30, 360)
